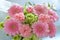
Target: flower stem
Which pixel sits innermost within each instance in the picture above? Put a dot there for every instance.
(22, 38)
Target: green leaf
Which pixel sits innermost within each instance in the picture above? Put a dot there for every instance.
(17, 37)
(26, 39)
(7, 17)
(48, 5)
(1, 25)
(29, 3)
(34, 37)
(25, 11)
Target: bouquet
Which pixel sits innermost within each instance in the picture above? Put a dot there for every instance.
(30, 22)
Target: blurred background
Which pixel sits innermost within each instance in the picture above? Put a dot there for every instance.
(5, 4)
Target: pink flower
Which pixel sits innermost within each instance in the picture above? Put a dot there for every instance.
(44, 18)
(30, 9)
(40, 29)
(52, 29)
(19, 16)
(25, 31)
(15, 9)
(53, 15)
(38, 9)
(11, 27)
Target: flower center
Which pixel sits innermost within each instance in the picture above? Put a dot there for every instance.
(13, 26)
(40, 29)
(17, 11)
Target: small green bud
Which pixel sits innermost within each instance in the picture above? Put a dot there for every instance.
(1, 25)
(8, 17)
(30, 18)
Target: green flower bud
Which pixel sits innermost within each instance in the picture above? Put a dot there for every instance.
(8, 17)
(30, 18)
(1, 25)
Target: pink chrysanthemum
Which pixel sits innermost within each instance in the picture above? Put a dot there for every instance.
(30, 9)
(25, 31)
(11, 26)
(53, 15)
(15, 9)
(20, 17)
(44, 18)
(38, 9)
(40, 29)
(52, 29)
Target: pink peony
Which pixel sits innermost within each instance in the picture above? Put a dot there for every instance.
(15, 9)
(40, 29)
(44, 18)
(19, 16)
(25, 31)
(38, 9)
(52, 29)
(30, 9)
(53, 15)
(11, 27)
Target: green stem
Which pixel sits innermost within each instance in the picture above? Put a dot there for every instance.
(21, 38)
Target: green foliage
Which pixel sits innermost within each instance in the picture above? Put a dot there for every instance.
(30, 18)
(25, 12)
(7, 17)
(1, 25)
(26, 39)
(49, 5)
(17, 37)
(33, 37)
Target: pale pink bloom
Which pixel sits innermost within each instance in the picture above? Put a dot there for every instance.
(15, 9)
(11, 26)
(40, 29)
(25, 31)
(19, 16)
(44, 18)
(30, 9)
(38, 9)
(52, 29)
(53, 15)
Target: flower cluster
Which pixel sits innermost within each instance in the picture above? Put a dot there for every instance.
(33, 20)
